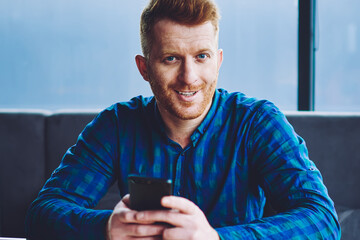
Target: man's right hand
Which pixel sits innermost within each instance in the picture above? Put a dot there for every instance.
(122, 224)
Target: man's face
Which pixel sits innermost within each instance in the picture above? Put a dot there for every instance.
(182, 68)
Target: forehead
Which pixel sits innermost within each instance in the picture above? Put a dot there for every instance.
(170, 34)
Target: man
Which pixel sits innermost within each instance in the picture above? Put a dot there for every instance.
(224, 152)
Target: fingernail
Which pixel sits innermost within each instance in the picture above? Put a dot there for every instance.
(140, 215)
(165, 200)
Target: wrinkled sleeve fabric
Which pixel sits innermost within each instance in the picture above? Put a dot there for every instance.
(63, 208)
(281, 167)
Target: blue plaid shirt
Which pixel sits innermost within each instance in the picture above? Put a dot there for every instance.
(243, 151)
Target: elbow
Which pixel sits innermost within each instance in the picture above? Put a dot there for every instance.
(335, 225)
(36, 224)
(30, 221)
(330, 227)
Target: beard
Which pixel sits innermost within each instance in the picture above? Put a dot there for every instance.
(166, 99)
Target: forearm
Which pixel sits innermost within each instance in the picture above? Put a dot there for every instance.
(300, 223)
(60, 219)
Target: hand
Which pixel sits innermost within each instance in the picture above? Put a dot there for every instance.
(187, 219)
(123, 224)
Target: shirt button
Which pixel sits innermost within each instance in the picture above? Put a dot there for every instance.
(183, 153)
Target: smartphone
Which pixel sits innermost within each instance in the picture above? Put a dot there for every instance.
(146, 192)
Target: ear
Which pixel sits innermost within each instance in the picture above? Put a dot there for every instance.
(142, 67)
(220, 59)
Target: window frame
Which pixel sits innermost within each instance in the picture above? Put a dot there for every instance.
(307, 33)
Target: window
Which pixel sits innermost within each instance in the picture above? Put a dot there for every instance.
(80, 54)
(338, 57)
(259, 38)
(69, 54)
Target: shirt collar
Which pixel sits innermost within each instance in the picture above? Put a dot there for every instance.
(160, 125)
(208, 118)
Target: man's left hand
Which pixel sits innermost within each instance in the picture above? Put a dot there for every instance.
(187, 219)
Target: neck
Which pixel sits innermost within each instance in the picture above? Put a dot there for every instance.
(180, 130)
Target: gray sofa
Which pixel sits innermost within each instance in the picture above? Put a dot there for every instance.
(32, 143)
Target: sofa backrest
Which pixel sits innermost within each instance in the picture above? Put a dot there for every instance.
(333, 141)
(62, 131)
(32, 144)
(22, 166)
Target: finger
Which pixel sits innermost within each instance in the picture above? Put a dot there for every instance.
(123, 203)
(126, 200)
(140, 230)
(174, 218)
(132, 216)
(149, 238)
(179, 203)
(126, 216)
(133, 231)
(174, 233)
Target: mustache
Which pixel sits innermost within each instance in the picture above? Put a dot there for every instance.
(187, 87)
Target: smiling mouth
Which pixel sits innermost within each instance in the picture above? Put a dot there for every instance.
(187, 94)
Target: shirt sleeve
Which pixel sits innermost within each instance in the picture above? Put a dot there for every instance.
(63, 208)
(291, 182)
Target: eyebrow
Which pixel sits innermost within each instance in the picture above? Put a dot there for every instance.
(171, 53)
(205, 50)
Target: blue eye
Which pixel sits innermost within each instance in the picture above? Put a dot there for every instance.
(170, 59)
(202, 56)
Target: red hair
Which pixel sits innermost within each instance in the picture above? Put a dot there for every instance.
(189, 12)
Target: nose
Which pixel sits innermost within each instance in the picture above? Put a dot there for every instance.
(188, 72)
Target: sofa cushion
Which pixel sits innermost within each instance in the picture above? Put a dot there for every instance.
(22, 167)
(349, 220)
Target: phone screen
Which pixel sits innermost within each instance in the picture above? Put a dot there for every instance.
(146, 192)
